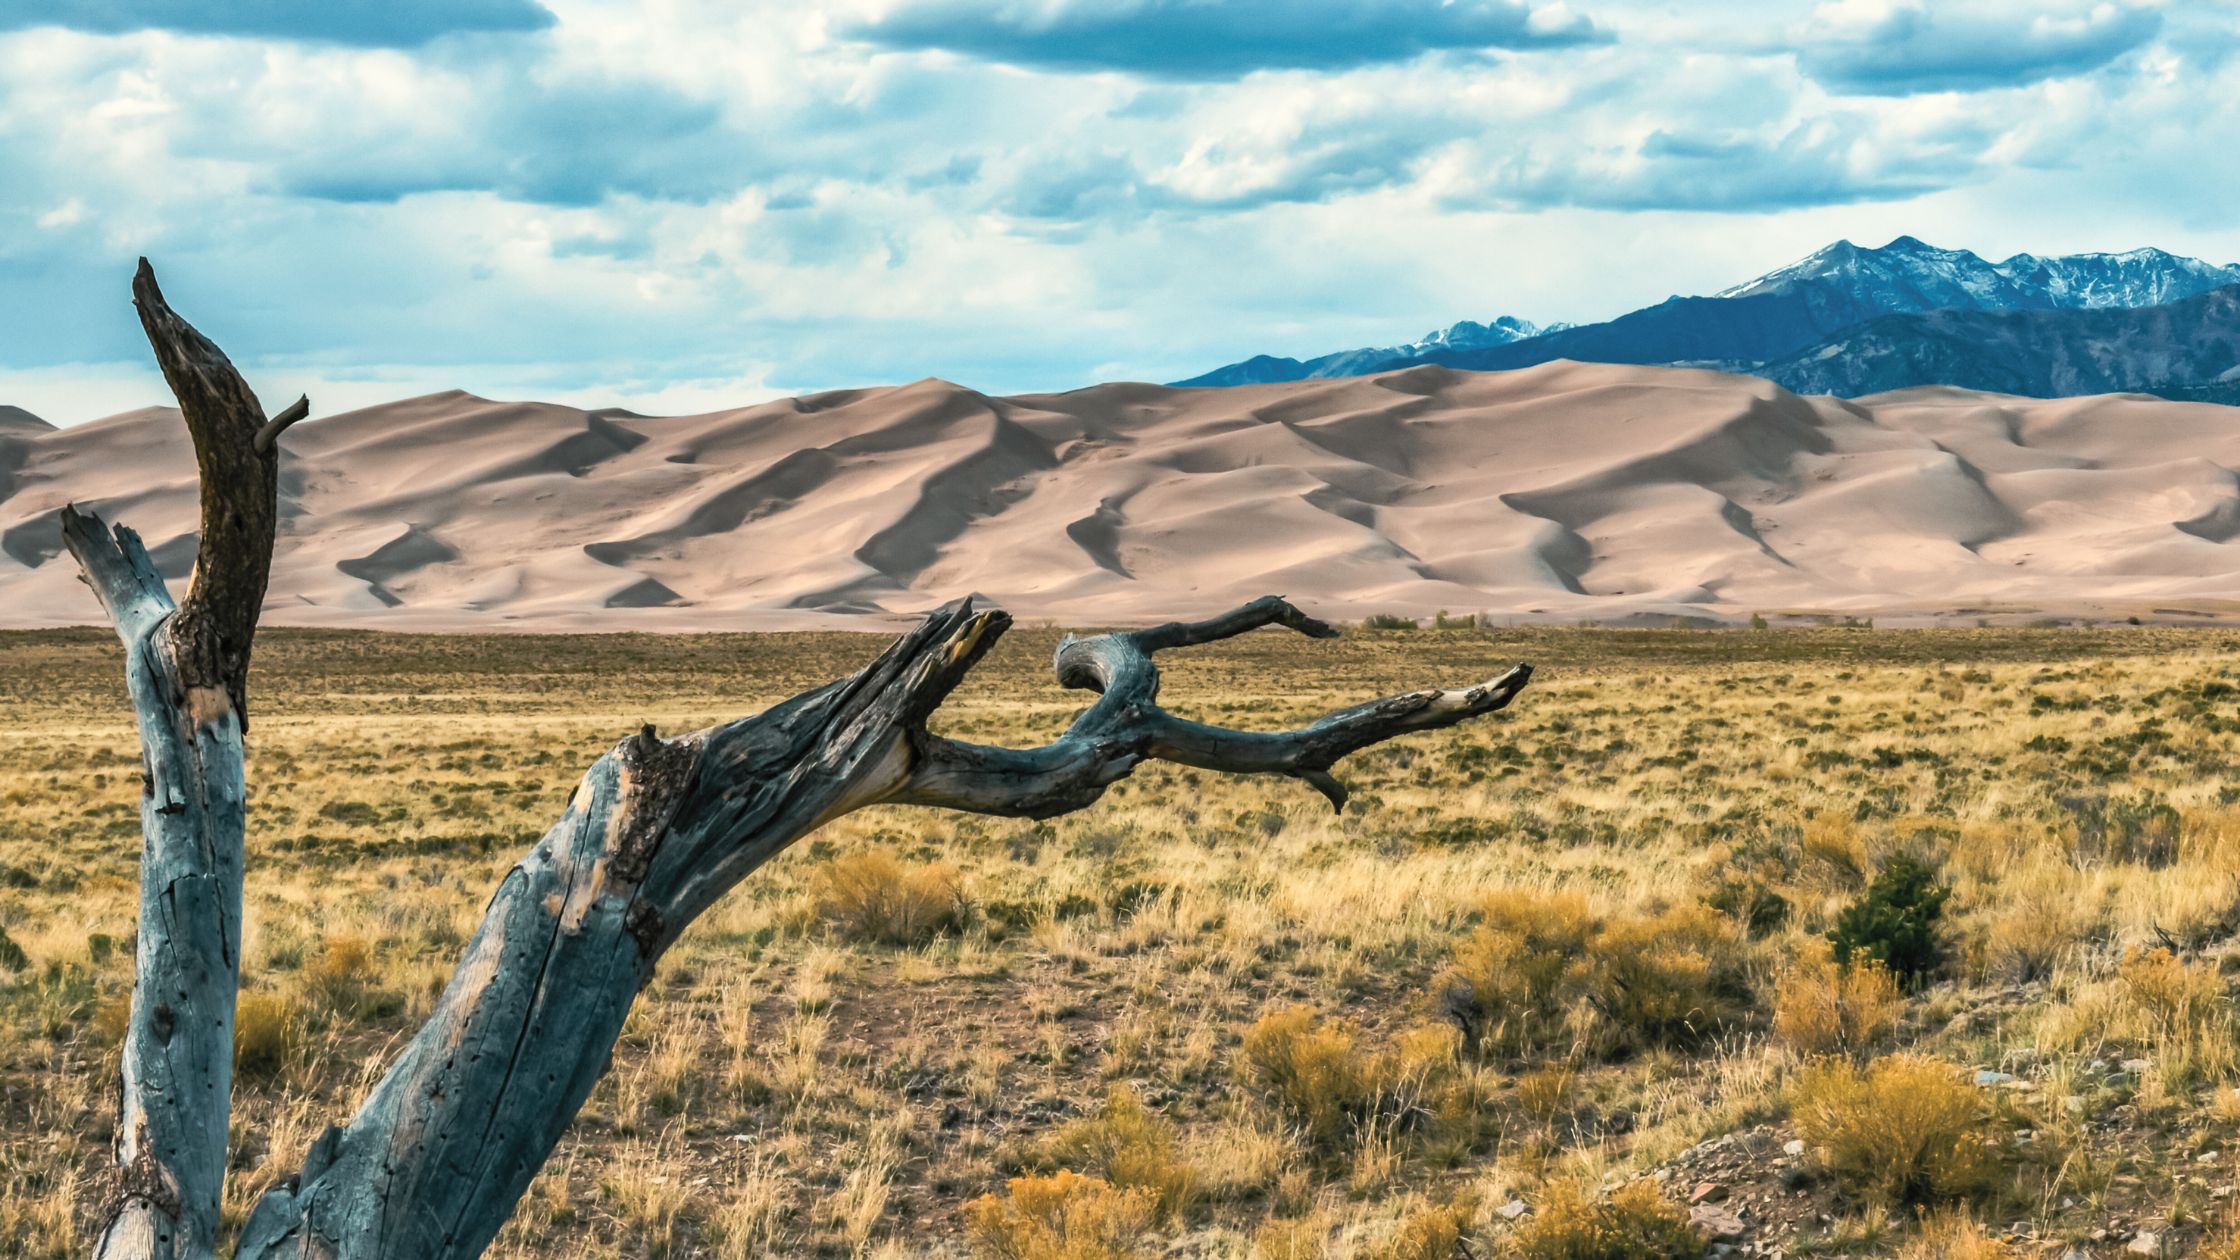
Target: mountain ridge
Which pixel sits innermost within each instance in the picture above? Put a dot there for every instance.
(1797, 311)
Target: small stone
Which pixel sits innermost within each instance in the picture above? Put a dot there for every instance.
(1707, 1192)
(1719, 1223)
(2145, 1243)
(1985, 1076)
(2207, 1157)
(2136, 1066)
(1793, 1148)
(1513, 1209)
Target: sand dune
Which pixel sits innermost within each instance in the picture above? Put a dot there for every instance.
(1557, 492)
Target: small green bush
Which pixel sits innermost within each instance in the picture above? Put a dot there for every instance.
(1895, 922)
(1388, 621)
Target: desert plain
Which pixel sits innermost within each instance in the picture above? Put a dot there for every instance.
(1539, 959)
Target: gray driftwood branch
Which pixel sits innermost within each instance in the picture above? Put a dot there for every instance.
(187, 669)
(443, 1147)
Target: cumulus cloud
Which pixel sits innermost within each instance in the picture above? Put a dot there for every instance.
(675, 202)
(368, 23)
(1898, 47)
(1193, 39)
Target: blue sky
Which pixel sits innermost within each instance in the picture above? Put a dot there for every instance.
(676, 205)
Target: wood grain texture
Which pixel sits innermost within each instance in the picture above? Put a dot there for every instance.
(186, 669)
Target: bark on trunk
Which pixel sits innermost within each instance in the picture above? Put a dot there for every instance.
(186, 668)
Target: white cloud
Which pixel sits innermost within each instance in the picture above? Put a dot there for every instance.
(667, 199)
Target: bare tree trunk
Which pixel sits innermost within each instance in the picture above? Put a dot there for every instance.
(187, 670)
(436, 1157)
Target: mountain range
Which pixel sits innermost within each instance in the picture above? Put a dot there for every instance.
(1853, 320)
(1468, 335)
(1558, 492)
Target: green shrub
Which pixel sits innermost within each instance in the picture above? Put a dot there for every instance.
(1895, 922)
(1388, 621)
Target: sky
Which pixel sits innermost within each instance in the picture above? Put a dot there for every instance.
(682, 205)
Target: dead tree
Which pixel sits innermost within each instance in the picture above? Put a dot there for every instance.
(659, 829)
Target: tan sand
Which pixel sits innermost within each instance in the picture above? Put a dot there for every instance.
(1562, 492)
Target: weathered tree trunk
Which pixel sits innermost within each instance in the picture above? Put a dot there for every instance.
(435, 1159)
(187, 670)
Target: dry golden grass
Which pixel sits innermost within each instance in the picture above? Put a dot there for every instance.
(1635, 868)
(1904, 1130)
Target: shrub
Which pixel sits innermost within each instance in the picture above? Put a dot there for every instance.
(870, 896)
(1321, 1077)
(2174, 995)
(1431, 1232)
(267, 1029)
(12, 957)
(1291, 1240)
(1752, 903)
(1064, 1216)
(1830, 849)
(1516, 981)
(1951, 1236)
(1904, 1130)
(1673, 980)
(341, 981)
(1388, 621)
(1131, 1146)
(1895, 921)
(1634, 1223)
(1824, 1007)
(1543, 973)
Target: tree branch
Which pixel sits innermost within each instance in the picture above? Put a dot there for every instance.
(1127, 726)
(432, 1164)
(240, 498)
(273, 428)
(186, 669)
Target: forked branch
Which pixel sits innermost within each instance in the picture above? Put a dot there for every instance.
(659, 829)
(186, 667)
(1127, 725)
(436, 1157)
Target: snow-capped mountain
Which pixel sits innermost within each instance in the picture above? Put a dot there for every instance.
(1908, 274)
(2189, 348)
(1799, 310)
(1467, 335)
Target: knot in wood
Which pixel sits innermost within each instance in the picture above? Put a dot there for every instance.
(654, 775)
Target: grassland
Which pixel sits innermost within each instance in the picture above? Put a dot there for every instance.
(1538, 959)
